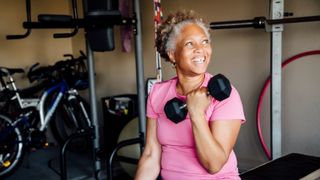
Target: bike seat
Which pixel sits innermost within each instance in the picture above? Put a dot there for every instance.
(34, 89)
(10, 71)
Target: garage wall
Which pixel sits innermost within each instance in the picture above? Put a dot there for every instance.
(242, 55)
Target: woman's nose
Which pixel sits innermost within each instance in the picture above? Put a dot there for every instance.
(198, 48)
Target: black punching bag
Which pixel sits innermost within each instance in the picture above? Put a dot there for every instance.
(100, 38)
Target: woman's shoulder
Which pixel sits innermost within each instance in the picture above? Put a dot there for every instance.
(165, 84)
(160, 93)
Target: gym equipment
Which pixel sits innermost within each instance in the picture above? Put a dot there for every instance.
(157, 22)
(29, 116)
(263, 91)
(117, 111)
(97, 18)
(121, 124)
(129, 156)
(260, 22)
(275, 26)
(219, 88)
(100, 38)
(291, 166)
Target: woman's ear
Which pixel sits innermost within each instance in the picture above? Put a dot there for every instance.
(171, 57)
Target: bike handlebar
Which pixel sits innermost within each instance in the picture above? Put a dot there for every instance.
(61, 69)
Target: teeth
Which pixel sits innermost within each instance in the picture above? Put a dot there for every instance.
(198, 60)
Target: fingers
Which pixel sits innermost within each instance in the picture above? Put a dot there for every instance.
(198, 98)
(199, 92)
(197, 103)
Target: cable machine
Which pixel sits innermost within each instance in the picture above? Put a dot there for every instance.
(99, 18)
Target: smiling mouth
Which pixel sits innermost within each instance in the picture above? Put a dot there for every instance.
(199, 60)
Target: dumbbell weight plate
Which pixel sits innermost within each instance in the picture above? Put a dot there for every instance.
(174, 112)
(219, 87)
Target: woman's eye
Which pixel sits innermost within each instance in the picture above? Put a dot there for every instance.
(188, 44)
(205, 41)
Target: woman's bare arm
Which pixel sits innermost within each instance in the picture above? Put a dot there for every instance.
(149, 163)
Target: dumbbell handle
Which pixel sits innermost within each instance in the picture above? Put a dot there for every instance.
(220, 82)
(185, 104)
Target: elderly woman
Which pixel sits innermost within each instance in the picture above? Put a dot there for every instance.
(201, 146)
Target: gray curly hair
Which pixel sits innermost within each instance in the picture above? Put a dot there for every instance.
(169, 30)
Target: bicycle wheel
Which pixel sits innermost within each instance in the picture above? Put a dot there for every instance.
(69, 119)
(11, 146)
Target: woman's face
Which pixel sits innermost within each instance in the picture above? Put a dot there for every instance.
(193, 51)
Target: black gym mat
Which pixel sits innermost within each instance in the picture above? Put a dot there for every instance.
(292, 166)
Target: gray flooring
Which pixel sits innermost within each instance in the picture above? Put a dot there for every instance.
(35, 166)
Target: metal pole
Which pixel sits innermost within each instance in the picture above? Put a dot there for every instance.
(294, 20)
(140, 72)
(276, 12)
(257, 22)
(260, 22)
(94, 114)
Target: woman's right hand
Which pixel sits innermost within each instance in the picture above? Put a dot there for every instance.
(198, 102)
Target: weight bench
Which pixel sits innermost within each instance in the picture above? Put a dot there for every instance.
(292, 166)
